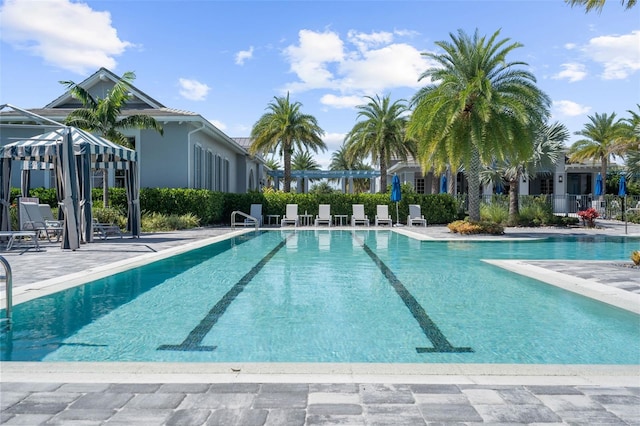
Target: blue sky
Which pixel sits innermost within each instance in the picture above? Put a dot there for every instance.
(226, 60)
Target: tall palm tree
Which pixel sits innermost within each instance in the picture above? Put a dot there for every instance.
(547, 151)
(303, 160)
(598, 4)
(631, 141)
(104, 116)
(632, 145)
(340, 161)
(286, 128)
(479, 108)
(601, 140)
(381, 134)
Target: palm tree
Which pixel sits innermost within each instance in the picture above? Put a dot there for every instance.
(103, 116)
(598, 4)
(547, 151)
(602, 137)
(286, 128)
(304, 161)
(381, 134)
(479, 108)
(340, 161)
(631, 141)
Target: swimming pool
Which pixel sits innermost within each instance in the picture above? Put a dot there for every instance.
(333, 296)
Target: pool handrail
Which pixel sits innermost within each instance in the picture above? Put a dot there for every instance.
(249, 220)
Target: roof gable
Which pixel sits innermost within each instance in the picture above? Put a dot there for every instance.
(98, 85)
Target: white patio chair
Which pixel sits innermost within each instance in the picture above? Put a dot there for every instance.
(324, 215)
(358, 216)
(382, 215)
(255, 211)
(415, 216)
(291, 215)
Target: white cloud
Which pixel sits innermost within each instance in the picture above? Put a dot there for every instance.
(572, 72)
(395, 65)
(366, 41)
(193, 89)
(219, 124)
(310, 58)
(570, 46)
(566, 108)
(618, 54)
(341, 101)
(243, 55)
(366, 64)
(67, 35)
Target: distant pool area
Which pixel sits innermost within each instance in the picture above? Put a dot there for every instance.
(392, 298)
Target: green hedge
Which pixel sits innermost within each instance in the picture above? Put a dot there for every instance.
(438, 208)
(215, 207)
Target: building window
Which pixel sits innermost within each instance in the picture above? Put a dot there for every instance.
(197, 166)
(208, 171)
(546, 186)
(218, 174)
(225, 181)
(419, 185)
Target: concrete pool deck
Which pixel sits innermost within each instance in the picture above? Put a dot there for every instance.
(283, 394)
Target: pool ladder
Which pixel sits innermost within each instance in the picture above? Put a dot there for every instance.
(8, 288)
(249, 220)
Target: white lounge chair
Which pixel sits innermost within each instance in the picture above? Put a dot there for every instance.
(32, 220)
(47, 213)
(104, 230)
(358, 216)
(324, 215)
(290, 216)
(415, 216)
(255, 211)
(21, 238)
(382, 215)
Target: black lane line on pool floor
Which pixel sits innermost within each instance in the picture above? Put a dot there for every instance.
(194, 339)
(429, 328)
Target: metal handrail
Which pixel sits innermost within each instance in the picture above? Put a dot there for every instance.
(246, 216)
(8, 288)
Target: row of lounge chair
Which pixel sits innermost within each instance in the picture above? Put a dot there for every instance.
(324, 216)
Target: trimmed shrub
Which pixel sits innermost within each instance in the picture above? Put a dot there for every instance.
(465, 227)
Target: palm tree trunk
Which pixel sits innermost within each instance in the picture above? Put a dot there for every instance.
(287, 167)
(435, 183)
(473, 178)
(514, 192)
(383, 176)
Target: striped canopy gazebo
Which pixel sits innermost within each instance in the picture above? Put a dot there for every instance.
(89, 152)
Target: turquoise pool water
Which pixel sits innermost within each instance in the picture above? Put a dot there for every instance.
(333, 296)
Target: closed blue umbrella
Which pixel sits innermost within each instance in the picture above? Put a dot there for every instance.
(623, 186)
(396, 194)
(443, 184)
(622, 192)
(598, 192)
